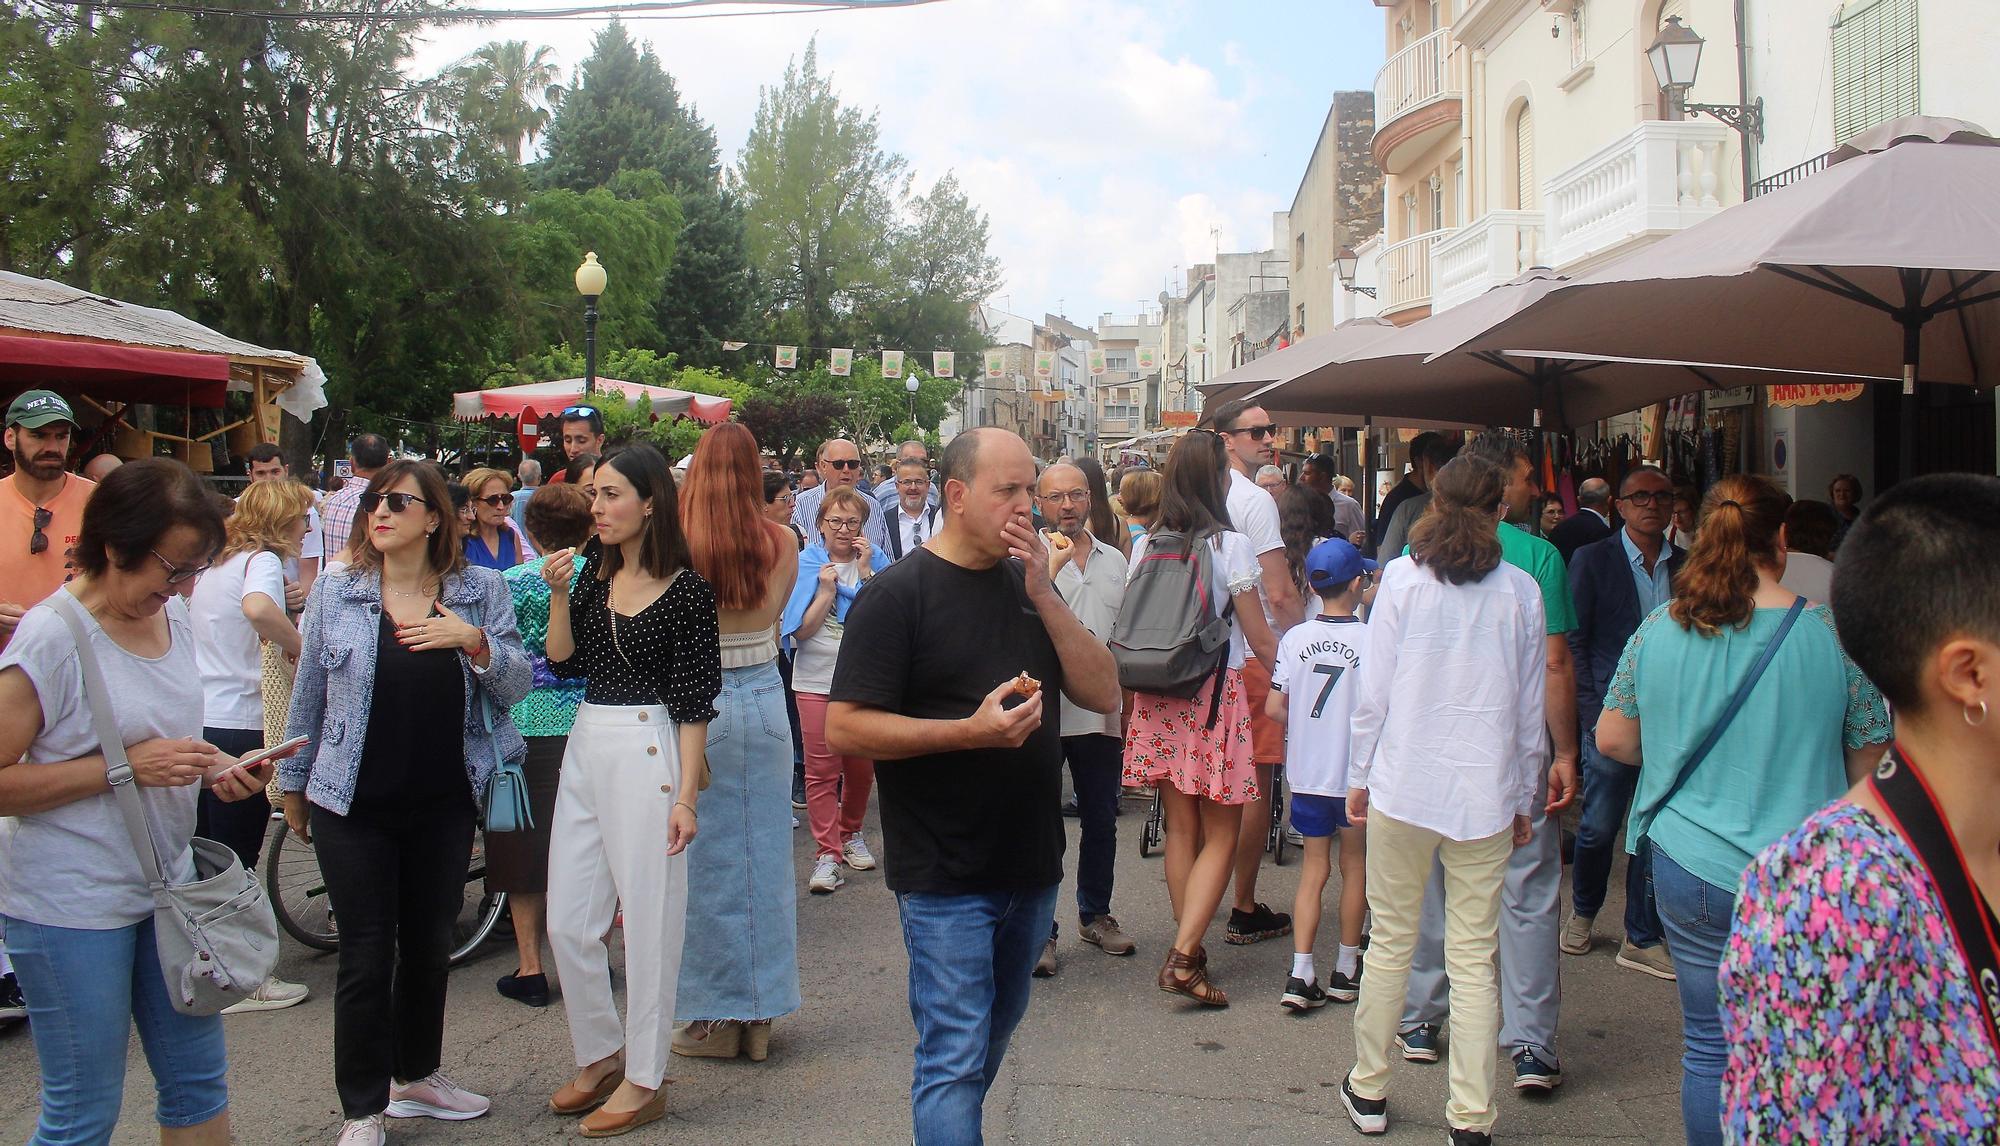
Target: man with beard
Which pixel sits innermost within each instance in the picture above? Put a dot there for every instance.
(1090, 577)
(909, 518)
(41, 505)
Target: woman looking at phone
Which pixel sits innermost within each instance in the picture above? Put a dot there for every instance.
(641, 629)
(236, 607)
(76, 909)
(401, 649)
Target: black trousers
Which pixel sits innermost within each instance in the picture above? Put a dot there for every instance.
(239, 825)
(396, 881)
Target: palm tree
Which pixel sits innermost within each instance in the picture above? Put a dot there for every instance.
(508, 92)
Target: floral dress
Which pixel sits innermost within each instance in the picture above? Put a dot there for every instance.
(1850, 1014)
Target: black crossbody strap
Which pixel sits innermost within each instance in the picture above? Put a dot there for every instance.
(1909, 802)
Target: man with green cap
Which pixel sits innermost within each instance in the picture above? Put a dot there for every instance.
(41, 505)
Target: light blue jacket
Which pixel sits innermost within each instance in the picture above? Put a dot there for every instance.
(336, 681)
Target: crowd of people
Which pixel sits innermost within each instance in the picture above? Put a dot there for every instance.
(663, 654)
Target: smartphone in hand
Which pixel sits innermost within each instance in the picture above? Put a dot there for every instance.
(258, 759)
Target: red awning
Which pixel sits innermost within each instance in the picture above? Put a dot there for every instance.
(112, 372)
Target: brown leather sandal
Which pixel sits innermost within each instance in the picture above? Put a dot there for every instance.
(1197, 985)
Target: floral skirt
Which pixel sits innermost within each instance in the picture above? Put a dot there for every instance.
(1169, 739)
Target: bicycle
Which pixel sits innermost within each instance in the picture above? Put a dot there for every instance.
(1153, 832)
(298, 896)
(1276, 841)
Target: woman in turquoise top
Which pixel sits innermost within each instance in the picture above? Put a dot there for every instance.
(1811, 725)
(517, 863)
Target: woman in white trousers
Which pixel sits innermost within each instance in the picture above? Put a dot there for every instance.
(641, 629)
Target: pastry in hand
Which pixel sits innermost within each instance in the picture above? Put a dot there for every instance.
(1027, 685)
(1057, 541)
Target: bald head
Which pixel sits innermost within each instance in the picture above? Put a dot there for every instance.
(100, 467)
(989, 481)
(839, 462)
(1594, 493)
(961, 457)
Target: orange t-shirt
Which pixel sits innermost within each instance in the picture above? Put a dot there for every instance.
(25, 578)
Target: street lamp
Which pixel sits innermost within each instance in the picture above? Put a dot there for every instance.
(1676, 56)
(590, 284)
(1345, 264)
(910, 384)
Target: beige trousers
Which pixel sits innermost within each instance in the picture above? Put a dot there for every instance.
(1399, 867)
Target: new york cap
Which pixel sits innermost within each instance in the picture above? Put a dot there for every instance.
(1333, 563)
(37, 408)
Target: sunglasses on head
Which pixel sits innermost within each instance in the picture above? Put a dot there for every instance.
(1257, 433)
(580, 412)
(495, 500)
(844, 463)
(39, 542)
(398, 502)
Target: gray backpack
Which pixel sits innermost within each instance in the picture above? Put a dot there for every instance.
(1169, 639)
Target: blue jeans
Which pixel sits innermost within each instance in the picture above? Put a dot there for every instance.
(971, 957)
(1607, 799)
(1697, 916)
(1095, 762)
(85, 989)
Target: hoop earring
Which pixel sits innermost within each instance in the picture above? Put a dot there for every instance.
(1966, 713)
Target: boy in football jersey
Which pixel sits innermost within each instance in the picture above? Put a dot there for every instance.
(1312, 694)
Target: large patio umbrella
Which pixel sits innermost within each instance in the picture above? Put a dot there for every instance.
(1301, 357)
(1880, 266)
(1418, 373)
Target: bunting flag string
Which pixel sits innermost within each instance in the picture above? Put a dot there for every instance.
(840, 362)
(840, 359)
(787, 357)
(892, 364)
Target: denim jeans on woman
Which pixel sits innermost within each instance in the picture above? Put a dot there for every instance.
(971, 959)
(85, 989)
(1696, 916)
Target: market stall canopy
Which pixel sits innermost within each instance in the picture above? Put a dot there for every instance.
(534, 401)
(1300, 358)
(1839, 273)
(46, 311)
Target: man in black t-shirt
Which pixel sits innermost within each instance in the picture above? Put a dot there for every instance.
(970, 774)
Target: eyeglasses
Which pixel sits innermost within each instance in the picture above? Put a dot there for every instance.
(843, 524)
(844, 463)
(1646, 498)
(1074, 496)
(912, 483)
(180, 574)
(580, 412)
(495, 501)
(1257, 433)
(40, 541)
(398, 502)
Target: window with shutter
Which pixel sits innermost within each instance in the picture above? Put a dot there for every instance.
(1874, 65)
(1524, 159)
(1673, 8)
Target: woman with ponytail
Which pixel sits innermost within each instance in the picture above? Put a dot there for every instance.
(1744, 716)
(1447, 739)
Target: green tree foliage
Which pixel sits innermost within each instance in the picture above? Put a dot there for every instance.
(504, 91)
(633, 223)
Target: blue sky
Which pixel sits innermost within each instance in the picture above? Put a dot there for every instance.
(1103, 138)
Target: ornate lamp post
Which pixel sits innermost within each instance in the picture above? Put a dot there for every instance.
(1676, 56)
(590, 280)
(910, 384)
(1344, 265)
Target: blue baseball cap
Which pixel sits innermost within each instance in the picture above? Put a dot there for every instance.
(1333, 563)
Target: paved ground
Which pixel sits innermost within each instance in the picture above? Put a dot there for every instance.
(1101, 1058)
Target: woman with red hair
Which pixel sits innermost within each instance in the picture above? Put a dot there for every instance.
(740, 968)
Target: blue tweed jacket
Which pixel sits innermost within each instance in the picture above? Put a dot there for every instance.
(336, 681)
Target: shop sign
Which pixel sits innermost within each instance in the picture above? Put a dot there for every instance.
(1733, 396)
(1179, 419)
(1792, 394)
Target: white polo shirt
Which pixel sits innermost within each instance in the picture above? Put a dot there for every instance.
(1094, 593)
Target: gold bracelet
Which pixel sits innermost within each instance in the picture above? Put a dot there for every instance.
(689, 807)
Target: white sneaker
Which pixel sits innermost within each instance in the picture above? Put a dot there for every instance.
(855, 852)
(275, 995)
(362, 1132)
(825, 877)
(436, 1096)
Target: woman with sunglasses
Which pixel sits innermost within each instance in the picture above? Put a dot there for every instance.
(493, 541)
(831, 571)
(402, 650)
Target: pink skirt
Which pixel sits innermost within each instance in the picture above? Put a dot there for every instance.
(1168, 739)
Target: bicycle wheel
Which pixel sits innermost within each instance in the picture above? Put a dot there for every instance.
(1149, 836)
(298, 891)
(482, 909)
(1278, 840)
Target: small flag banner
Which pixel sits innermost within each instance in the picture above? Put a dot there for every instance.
(840, 362)
(996, 364)
(787, 358)
(1198, 348)
(1149, 358)
(1095, 360)
(734, 345)
(1045, 364)
(892, 364)
(944, 364)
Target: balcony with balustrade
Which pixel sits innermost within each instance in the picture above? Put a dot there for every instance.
(1405, 282)
(1417, 101)
(1660, 177)
(1491, 250)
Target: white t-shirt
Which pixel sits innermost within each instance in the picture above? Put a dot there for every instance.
(1235, 571)
(226, 648)
(1254, 513)
(812, 666)
(311, 547)
(1318, 667)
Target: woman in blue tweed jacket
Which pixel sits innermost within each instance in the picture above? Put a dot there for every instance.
(388, 789)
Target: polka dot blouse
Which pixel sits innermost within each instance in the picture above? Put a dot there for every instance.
(671, 652)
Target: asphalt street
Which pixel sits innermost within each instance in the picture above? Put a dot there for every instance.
(1102, 1057)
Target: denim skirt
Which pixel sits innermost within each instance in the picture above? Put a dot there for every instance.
(742, 959)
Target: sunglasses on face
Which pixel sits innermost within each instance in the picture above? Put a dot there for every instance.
(39, 542)
(180, 574)
(398, 502)
(1257, 433)
(844, 463)
(496, 500)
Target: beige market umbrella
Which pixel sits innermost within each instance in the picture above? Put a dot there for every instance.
(1300, 358)
(1881, 265)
